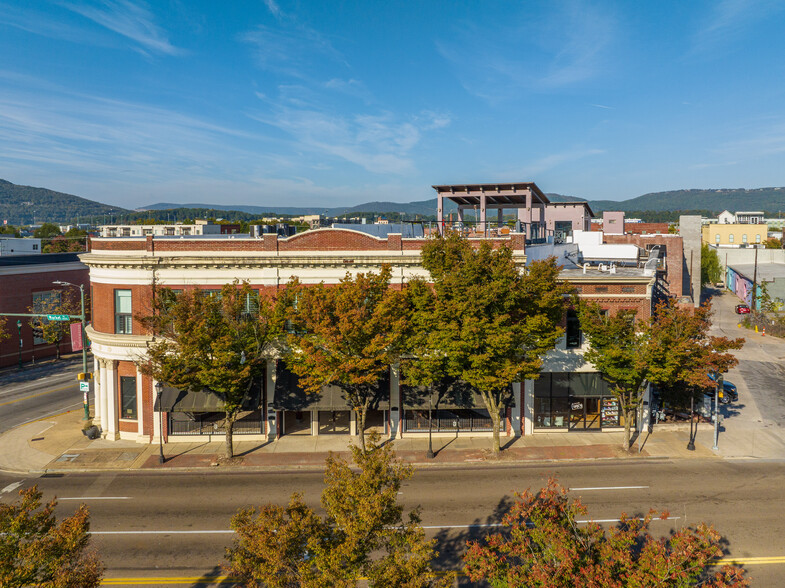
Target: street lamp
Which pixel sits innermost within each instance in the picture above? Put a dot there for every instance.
(84, 340)
(159, 388)
(19, 328)
(429, 453)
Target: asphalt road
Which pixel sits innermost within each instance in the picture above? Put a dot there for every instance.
(37, 392)
(171, 524)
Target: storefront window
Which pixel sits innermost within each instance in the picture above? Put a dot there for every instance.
(578, 401)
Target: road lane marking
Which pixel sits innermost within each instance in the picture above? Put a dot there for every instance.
(486, 525)
(37, 395)
(96, 498)
(151, 581)
(188, 532)
(11, 487)
(609, 488)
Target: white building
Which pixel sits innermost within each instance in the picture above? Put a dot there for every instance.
(201, 227)
(14, 246)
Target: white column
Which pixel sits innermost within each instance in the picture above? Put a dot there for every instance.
(97, 391)
(314, 422)
(104, 402)
(353, 422)
(111, 401)
(395, 402)
(272, 415)
(528, 407)
(515, 413)
(139, 404)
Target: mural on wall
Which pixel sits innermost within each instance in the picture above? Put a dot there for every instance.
(740, 285)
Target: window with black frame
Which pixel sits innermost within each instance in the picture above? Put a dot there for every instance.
(573, 330)
(128, 397)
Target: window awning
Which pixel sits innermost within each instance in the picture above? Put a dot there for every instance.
(446, 395)
(176, 400)
(289, 395)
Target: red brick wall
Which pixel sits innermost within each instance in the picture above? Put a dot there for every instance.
(103, 305)
(16, 296)
(645, 228)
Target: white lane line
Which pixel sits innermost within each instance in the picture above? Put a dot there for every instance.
(11, 487)
(485, 525)
(205, 532)
(609, 488)
(229, 531)
(96, 498)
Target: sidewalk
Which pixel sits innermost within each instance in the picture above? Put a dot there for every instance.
(57, 445)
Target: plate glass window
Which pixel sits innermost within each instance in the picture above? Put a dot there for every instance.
(122, 312)
(128, 397)
(44, 303)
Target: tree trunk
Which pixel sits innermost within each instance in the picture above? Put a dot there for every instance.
(493, 411)
(362, 414)
(229, 424)
(627, 413)
(58, 350)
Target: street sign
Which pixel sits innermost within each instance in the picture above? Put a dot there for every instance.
(84, 386)
(58, 317)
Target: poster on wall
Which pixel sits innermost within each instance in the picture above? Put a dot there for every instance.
(609, 412)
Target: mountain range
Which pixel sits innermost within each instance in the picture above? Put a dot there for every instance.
(27, 205)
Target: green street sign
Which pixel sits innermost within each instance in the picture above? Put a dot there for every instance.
(58, 317)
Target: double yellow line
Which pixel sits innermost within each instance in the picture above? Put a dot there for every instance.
(739, 561)
(37, 395)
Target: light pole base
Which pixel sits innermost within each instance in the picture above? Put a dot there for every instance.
(429, 454)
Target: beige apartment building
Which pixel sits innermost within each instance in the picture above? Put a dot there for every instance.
(735, 235)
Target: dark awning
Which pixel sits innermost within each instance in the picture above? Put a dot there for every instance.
(445, 395)
(176, 400)
(289, 395)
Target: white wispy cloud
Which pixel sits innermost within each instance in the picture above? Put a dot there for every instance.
(132, 20)
(543, 164)
(727, 21)
(566, 47)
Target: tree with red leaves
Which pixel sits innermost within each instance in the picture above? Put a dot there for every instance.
(545, 545)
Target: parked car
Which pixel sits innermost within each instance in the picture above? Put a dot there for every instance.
(742, 309)
(729, 391)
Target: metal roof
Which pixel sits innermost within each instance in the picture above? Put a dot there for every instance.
(512, 195)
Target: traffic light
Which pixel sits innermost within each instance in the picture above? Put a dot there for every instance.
(85, 376)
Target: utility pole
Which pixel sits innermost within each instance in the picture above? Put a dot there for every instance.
(755, 284)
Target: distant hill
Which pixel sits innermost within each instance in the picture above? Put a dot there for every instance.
(26, 205)
(765, 199)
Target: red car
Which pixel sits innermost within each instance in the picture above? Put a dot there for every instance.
(742, 309)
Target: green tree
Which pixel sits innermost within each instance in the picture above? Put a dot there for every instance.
(37, 551)
(53, 332)
(215, 342)
(711, 270)
(363, 533)
(4, 333)
(10, 230)
(47, 231)
(681, 354)
(617, 350)
(491, 321)
(773, 243)
(544, 545)
(671, 349)
(346, 335)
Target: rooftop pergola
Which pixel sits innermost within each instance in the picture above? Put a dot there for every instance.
(520, 196)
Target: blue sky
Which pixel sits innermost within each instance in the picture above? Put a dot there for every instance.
(314, 103)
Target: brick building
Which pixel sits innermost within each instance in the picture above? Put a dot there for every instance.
(25, 283)
(123, 269)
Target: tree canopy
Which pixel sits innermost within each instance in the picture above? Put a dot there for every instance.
(545, 545)
(216, 341)
(491, 322)
(346, 335)
(672, 349)
(36, 550)
(363, 533)
(711, 270)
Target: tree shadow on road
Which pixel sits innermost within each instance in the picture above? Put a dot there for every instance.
(215, 577)
(451, 543)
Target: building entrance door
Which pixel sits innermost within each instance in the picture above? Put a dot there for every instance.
(584, 413)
